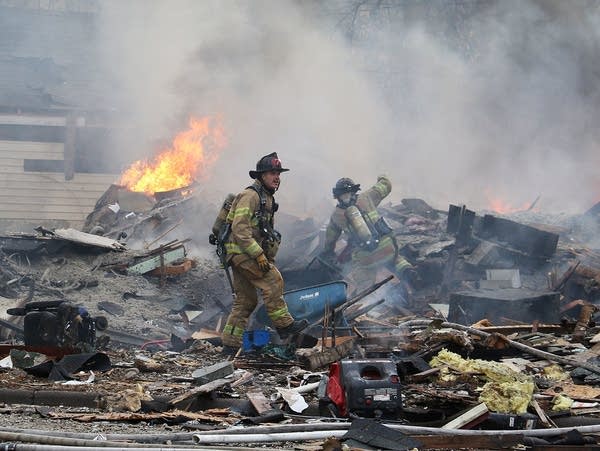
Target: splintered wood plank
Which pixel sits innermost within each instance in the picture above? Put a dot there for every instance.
(573, 391)
(259, 401)
(189, 397)
(213, 415)
(467, 417)
(87, 238)
(315, 358)
(155, 262)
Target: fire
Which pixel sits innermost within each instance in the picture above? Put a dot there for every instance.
(501, 206)
(192, 154)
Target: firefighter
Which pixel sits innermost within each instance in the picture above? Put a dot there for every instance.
(250, 249)
(369, 236)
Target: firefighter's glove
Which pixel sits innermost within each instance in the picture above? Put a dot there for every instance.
(411, 276)
(263, 263)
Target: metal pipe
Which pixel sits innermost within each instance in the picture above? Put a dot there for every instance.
(412, 430)
(138, 438)
(66, 441)
(32, 447)
(263, 434)
(35, 442)
(261, 438)
(280, 428)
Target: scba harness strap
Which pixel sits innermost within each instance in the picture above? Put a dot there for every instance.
(265, 225)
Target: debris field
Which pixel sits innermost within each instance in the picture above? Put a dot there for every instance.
(112, 333)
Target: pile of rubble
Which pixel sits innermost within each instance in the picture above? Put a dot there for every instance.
(112, 333)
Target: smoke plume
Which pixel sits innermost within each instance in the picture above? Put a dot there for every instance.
(460, 102)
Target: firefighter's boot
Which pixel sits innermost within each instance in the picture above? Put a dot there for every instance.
(294, 328)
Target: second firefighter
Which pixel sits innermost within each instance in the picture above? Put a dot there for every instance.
(371, 239)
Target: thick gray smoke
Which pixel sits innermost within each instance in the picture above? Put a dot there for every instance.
(456, 101)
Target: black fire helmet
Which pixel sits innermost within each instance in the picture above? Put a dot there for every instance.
(345, 185)
(267, 163)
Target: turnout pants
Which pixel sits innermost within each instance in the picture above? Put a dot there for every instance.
(365, 264)
(247, 279)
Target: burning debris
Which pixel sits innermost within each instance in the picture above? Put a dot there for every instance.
(497, 332)
(364, 355)
(193, 153)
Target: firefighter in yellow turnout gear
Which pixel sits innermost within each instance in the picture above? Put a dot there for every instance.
(372, 240)
(251, 248)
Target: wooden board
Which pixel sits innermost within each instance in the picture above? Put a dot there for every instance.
(467, 417)
(77, 236)
(186, 399)
(259, 401)
(154, 262)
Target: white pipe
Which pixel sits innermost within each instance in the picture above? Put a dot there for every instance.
(306, 388)
(33, 447)
(417, 430)
(255, 438)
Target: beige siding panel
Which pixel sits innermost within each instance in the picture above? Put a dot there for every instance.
(27, 192)
(11, 163)
(31, 150)
(43, 196)
(47, 207)
(12, 119)
(95, 178)
(58, 177)
(31, 197)
(41, 216)
(53, 186)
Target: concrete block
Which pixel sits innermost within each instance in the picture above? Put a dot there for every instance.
(213, 372)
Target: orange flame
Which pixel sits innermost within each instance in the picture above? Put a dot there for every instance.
(193, 153)
(501, 206)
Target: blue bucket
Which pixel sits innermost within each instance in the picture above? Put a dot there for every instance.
(309, 303)
(253, 339)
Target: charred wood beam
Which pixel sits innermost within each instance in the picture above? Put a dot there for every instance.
(560, 283)
(51, 398)
(185, 400)
(319, 359)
